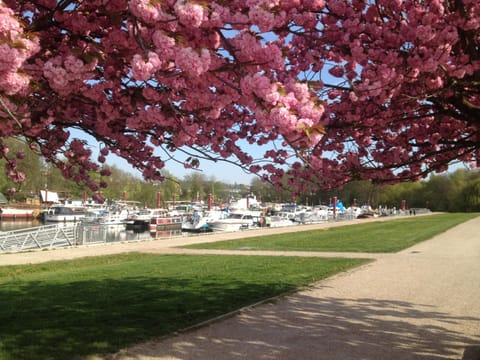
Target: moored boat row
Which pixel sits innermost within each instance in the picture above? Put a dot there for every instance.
(198, 219)
(243, 214)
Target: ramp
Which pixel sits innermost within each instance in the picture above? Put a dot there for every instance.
(40, 237)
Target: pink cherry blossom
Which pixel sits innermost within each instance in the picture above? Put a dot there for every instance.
(193, 63)
(189, 13)
(383, 90)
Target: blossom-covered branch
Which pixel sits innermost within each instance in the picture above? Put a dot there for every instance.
(385, 90)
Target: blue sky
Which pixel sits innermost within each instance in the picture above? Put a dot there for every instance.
(221, 171)
(224, 172)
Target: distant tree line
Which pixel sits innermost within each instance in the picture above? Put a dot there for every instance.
(454, 192)
(458, 191)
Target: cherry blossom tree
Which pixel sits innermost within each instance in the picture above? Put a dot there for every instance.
(333, 90)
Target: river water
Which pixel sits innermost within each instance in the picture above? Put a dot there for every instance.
(21, 224)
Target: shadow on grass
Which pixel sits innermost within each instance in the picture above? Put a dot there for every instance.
(305, 327)
(68, 321)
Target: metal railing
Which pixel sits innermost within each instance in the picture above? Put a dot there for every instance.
(72, 234)
(40, 237)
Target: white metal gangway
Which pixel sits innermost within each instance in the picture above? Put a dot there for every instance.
(40, 237)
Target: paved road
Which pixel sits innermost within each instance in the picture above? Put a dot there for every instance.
(421, 303)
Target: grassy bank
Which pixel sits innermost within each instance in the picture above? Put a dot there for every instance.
(71, 309)
(373, 237)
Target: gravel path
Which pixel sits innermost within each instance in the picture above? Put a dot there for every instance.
(421, 303)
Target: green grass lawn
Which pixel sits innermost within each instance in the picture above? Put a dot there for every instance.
(372, 237)
(72, 309)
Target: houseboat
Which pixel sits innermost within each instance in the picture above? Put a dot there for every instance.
(153, 220)
(60, 213)
(14, 214)
(162, 220)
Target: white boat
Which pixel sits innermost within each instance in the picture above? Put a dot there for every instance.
(59, 213)
(198, 221)
(245, 203)
(146, 214)
(115, 218)
(289, 215)
(279, 221)
(314, 215)
(181, 208)
(9, 213)
(237, 220)
(293, 212)
(354, 211)
(102, 216)
(93, 217)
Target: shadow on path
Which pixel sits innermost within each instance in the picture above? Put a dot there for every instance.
(330, 328)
